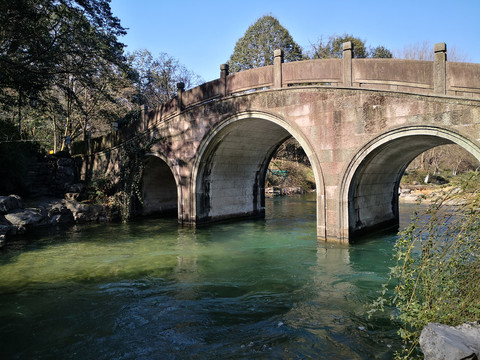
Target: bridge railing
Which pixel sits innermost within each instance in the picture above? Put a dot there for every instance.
(463, 79)
(325, 71)
(437, 77)
(393, 74)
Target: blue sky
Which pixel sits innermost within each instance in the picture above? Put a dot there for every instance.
(202, 34)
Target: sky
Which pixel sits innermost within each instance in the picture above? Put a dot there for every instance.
(201, 34)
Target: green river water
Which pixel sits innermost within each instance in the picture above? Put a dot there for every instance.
(253, 289)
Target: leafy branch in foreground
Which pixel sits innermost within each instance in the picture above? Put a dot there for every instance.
(437, 256)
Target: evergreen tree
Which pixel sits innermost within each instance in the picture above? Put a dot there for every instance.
(333, 48)
(381, 52)
(256, 47)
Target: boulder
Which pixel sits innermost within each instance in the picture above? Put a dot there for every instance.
(58, 213)
(442, 342)
(10, 203)
(27, 217)
(86, 213)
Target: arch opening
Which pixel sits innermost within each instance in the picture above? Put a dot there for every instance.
(159, 189)
(232, 167)
(231, 182)
(373, 192)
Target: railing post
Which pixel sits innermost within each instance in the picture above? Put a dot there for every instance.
(223, 79)
(277, 68)
(180, 89)
(440, 69)
(347, 63)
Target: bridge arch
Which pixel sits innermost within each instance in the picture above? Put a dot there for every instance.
(369, 188)
(160, 190)
(228, 176)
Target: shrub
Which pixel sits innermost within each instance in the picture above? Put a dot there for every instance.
(437, 257)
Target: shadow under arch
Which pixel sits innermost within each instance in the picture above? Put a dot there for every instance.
(159, 186)
(369, 188)
(228, 176)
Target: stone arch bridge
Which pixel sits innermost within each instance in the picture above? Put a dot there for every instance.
(360, 121)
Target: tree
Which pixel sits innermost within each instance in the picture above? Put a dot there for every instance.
(42, 40)
(90, 104)
(333, 48)
(156, 79)
(380, 52)
(256, 47)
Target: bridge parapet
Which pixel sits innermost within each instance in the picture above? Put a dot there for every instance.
(415, 76)
(437, 77)
(463, 79)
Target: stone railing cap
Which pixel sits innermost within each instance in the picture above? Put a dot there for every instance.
(440, 47)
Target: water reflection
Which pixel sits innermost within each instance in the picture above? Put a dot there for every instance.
(150, 290)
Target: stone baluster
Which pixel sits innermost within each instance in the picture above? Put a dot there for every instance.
(180, 90)
(347, 63)
(223, 78)
(440, 69)
(277, 68)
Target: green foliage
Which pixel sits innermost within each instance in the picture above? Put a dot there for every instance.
(132, 165)
(63, 69)
(256, 47)
(43, 38)
(100, 188)
(437, 257)
(126, 194)
(380, 52)
(292, 151)
(285, 173)
(333, 48)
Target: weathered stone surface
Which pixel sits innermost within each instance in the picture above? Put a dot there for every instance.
(442, 342)
(75, 207)
(86, 213)
(359, 132)
(58, 213)
(27, 217)
(10, 203)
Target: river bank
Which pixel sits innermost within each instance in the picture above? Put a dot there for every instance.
(18, 216)
(423, 193)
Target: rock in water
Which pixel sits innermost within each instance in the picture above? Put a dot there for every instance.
(10, 203)
(442, 342)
